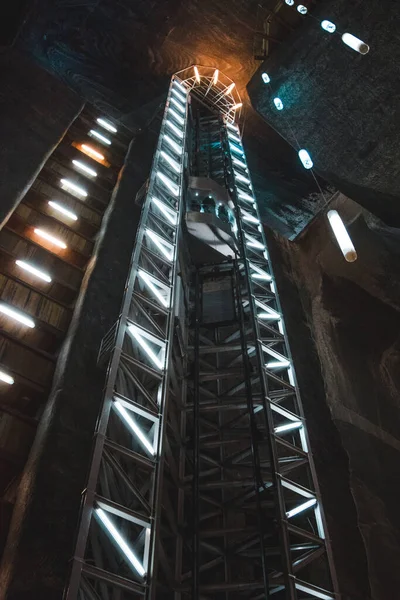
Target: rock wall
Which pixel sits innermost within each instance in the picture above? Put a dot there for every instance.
(343, 322)
(35, 111)
(340, 105)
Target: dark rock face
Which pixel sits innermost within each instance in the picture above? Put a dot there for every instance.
(340, 105)
(343, 322)
(30, 126)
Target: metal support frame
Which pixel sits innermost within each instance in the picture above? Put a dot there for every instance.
(202, 485)
(117, 537)
(299, 513)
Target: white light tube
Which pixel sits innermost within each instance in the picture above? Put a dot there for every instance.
(6, 378)
(84, 168)
(197, 74)
(130, 421)
(248, 217)
(168, 212)
(180, 120)
(278, 103)
(236, 149)
(215, 77)
(342, 237)
(181, 87)
(303, 10)
(229, 89)
(238, 162)
(245, 196)
(120, 541)
(178, 106)
(305, 159)
(174, 128)
(272, 316)
(16, 315)
(66, 184)
(301, 507)
(33, 270)
(355, 44)
(232, 127)
(177, 94)
(172, 144)
(106, 125)
(313, 592)
(236, 106)
(240, 177)
(168, 183)
(142, 342)
(100, 137)
(253, 243)
(62, 210)
(328, 26)
(277, 364)
(173, 163)
(159, 242)
(288, 426)
(50, 238)
(264, 76)
(164, 300)
(235, 138)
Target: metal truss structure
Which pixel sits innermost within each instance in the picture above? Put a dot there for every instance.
(202, 485)
(215, 88)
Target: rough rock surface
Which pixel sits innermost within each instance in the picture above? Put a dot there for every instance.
(343, 322)
(340, 105)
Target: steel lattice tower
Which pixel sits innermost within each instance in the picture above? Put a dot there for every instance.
(202, 484)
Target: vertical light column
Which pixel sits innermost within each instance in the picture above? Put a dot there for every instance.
(118, 530)
(299, 510)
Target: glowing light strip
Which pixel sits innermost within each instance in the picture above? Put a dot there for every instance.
(62, 210)
(196, 74)
(236, 106)
(165, 301)
(130, 421)
(84, 168)
(301, 508)
(100, 137)
(178, 95)
(91, 151)
(232, 127)
(215, 77)
(33, 270)
(173, 187)
(106, 125)
(6, 378)
(138, 335)
(69, 185)
(172, 144)
(278, 364)
(238, 162)
(173, 163)
(240, 177)
(245, 196)
(168, 212)
(248, 217)
(236, 149)
(161, 244)
(174, 128)
(50, 238)
(181, 87)
(180, 120)
(16, 315)
(354, 43)
(178, 106)
(342, 237)
(235, 138)
(120, 541)
(317, 593)
(288, 427)
(229, 89)
(252, 243)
